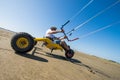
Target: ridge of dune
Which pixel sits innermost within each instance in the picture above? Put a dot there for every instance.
(43, 66)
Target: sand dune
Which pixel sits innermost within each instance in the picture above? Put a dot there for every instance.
(40, 65)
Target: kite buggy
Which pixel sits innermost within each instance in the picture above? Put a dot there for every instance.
(23, 42)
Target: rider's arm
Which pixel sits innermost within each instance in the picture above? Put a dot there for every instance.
(63, 38)
(54, 32)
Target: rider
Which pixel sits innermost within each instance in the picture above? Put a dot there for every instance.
(50, 34)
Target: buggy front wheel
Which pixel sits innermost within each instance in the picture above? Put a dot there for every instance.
(69, 54)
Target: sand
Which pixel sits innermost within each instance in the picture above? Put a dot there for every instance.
(40, 65)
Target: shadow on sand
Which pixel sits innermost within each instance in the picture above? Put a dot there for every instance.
(30, 56)
(74, 61)
(58, 57)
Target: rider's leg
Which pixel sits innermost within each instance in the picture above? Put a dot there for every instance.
(64, 45)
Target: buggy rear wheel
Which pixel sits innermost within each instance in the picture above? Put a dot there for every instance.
(22, 42)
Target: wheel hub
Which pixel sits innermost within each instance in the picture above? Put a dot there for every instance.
(22, 42)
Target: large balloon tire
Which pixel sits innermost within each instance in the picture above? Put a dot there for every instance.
(69, 54)
(22, 42)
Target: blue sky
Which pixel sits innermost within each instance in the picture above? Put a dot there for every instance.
(36, 16)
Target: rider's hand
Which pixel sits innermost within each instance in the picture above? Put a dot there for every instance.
(65, 37)
(62, 30)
